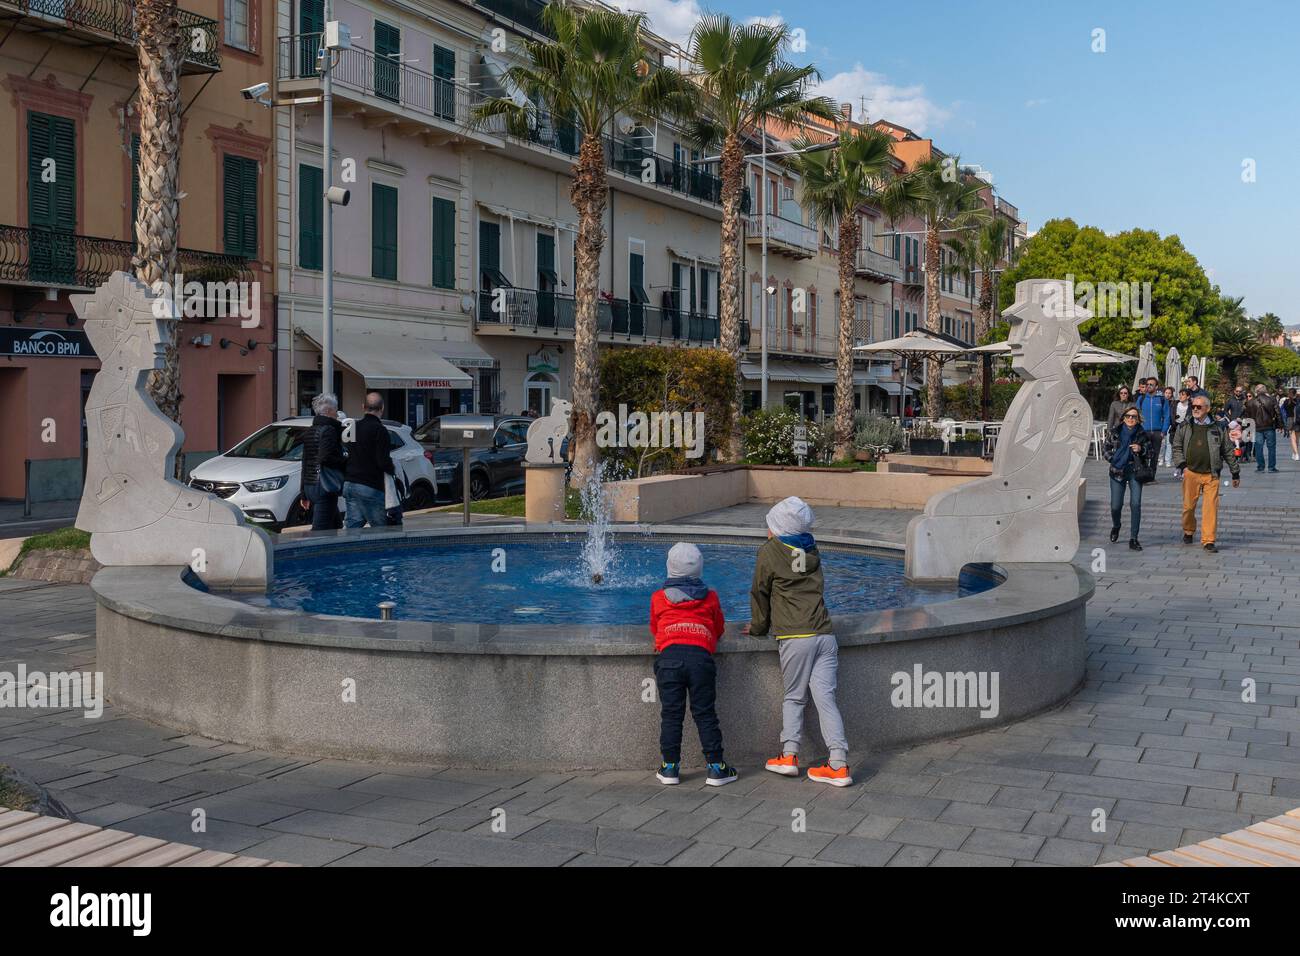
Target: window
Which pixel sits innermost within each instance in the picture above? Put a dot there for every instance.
(383, 231)
(238, 32)
(135, 179)
(489, 256)
(52, 196)
(311, 186)
(444, 82)
(311, 23)
(896, 330)
(444, 243)
(388, 61)
(239, 205)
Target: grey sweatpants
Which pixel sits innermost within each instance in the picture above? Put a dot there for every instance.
(811, 664)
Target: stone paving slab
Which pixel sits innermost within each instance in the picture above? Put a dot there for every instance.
(1158, 743)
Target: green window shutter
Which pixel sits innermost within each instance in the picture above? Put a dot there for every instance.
(444, 243)
(311, 23)
(383, 231)
(51, 205)
(40, 198)
(311, 184)
(239, 206)
(444, 84)
(489, 252)
(388, 66)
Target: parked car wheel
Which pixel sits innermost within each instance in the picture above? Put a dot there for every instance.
(297, 515)
(421, 497)
(478, 486)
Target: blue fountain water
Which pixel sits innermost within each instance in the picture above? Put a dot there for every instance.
(546, 582)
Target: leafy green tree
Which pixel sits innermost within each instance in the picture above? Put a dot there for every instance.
(1278, 363)
(1183, 302)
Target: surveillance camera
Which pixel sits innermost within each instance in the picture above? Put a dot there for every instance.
(256, 90)
(770, 290)
(338, 195)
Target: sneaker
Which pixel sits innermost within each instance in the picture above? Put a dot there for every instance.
(669, 774)
(720, 774)
(1295, 457)
(1211, 548)
(1187, 538)
(787, 765)
(828, 774)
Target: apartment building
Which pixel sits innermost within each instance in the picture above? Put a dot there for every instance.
(66, 211)
(455, 257)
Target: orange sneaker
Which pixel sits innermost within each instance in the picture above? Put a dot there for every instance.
(828, 774)
(787, 765)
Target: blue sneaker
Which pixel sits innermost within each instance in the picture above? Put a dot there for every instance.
(720, 774)
(669, 774)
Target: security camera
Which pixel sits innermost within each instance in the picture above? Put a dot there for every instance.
(256, 91)
(338, 195)
(770, 290)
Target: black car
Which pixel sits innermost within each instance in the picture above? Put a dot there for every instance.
(493, 472)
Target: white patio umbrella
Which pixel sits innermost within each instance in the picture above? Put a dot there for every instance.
(1173, 369)
(1146, 364)
(917, 344)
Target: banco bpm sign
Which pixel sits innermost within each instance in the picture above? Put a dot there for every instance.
(45, 343)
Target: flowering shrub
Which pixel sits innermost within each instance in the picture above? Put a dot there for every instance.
(877, 430)
(768, 437)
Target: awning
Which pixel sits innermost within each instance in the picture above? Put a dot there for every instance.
(392, 361)
(707, 258)
(807, 373)
(892, 388)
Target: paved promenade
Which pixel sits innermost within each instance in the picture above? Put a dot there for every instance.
(1158, 744)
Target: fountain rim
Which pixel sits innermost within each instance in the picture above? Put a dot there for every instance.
(164, 595)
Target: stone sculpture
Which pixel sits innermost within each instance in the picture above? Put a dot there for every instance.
(546, 435)
(136, 513)
(1027, 509)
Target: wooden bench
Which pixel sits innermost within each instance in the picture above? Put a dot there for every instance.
(1274, 842)
(28, 839)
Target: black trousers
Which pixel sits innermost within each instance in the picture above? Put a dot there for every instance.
(682, 671)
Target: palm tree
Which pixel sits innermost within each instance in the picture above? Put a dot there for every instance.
(1269, 327)
(157, 218)
(1236, 346)
(591, 71)
(992, 248)
(740, 69)
(836, 184)
(947, 201)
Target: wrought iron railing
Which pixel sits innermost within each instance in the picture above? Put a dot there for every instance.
(368, 73)
(876, 263)
(526, 13)
(784, 231)
(117, 19)
(47, 257)
(553, 311)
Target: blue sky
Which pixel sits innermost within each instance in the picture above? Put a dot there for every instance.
(1153, 132)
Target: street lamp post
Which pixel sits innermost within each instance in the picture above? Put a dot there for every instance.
(327, 240)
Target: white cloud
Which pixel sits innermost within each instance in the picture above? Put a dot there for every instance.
(671, 19)
(1030, 104)
(905, 105)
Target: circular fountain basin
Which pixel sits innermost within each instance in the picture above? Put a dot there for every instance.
(534, 666)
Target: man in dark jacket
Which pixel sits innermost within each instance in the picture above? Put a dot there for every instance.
(1156, 418)
(322, 448)
(1236, 406)
(1201, 449)
(1264, 410)
(369, 460)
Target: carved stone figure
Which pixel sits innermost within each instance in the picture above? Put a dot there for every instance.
(136, 513)
(1026, 510)
(546, 435)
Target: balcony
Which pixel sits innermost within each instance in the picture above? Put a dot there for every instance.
(912, 275)
(878, 266)
(792, 339)
(527, 310)
(784, 236)
(45, 258)
(96, 23)
(376, 84)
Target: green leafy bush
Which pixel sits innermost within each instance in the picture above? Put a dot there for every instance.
(871, 430)
(768, 437)
(962, 402)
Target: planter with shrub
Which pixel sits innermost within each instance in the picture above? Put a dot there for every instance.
(969, 445)
(926, 440)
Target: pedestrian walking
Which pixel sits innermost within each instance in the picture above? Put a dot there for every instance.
(323, 463)
(1128, 449)
(1201, 449)
(1166, 456)
(1123, 399)
(369, 460)
(1156, 419)
(1264, 410)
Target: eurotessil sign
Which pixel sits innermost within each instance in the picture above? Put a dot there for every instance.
(45, 343)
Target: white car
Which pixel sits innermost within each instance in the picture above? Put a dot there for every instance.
(262, 474)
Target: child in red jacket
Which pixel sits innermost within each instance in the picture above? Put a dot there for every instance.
(686, 622)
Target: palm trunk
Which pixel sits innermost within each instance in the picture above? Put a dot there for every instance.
(984, 319)
(933, 368)
(589, 195)
(729, 308)
(849, 238)
(157, 222)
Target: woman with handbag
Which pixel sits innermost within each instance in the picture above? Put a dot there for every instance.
(1128, 449)
(323, 462)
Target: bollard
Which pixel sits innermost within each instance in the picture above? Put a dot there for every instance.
(27, 487)
(386, 610)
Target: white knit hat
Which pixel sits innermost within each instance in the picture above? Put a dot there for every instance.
(685, 561)
(790, 517)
